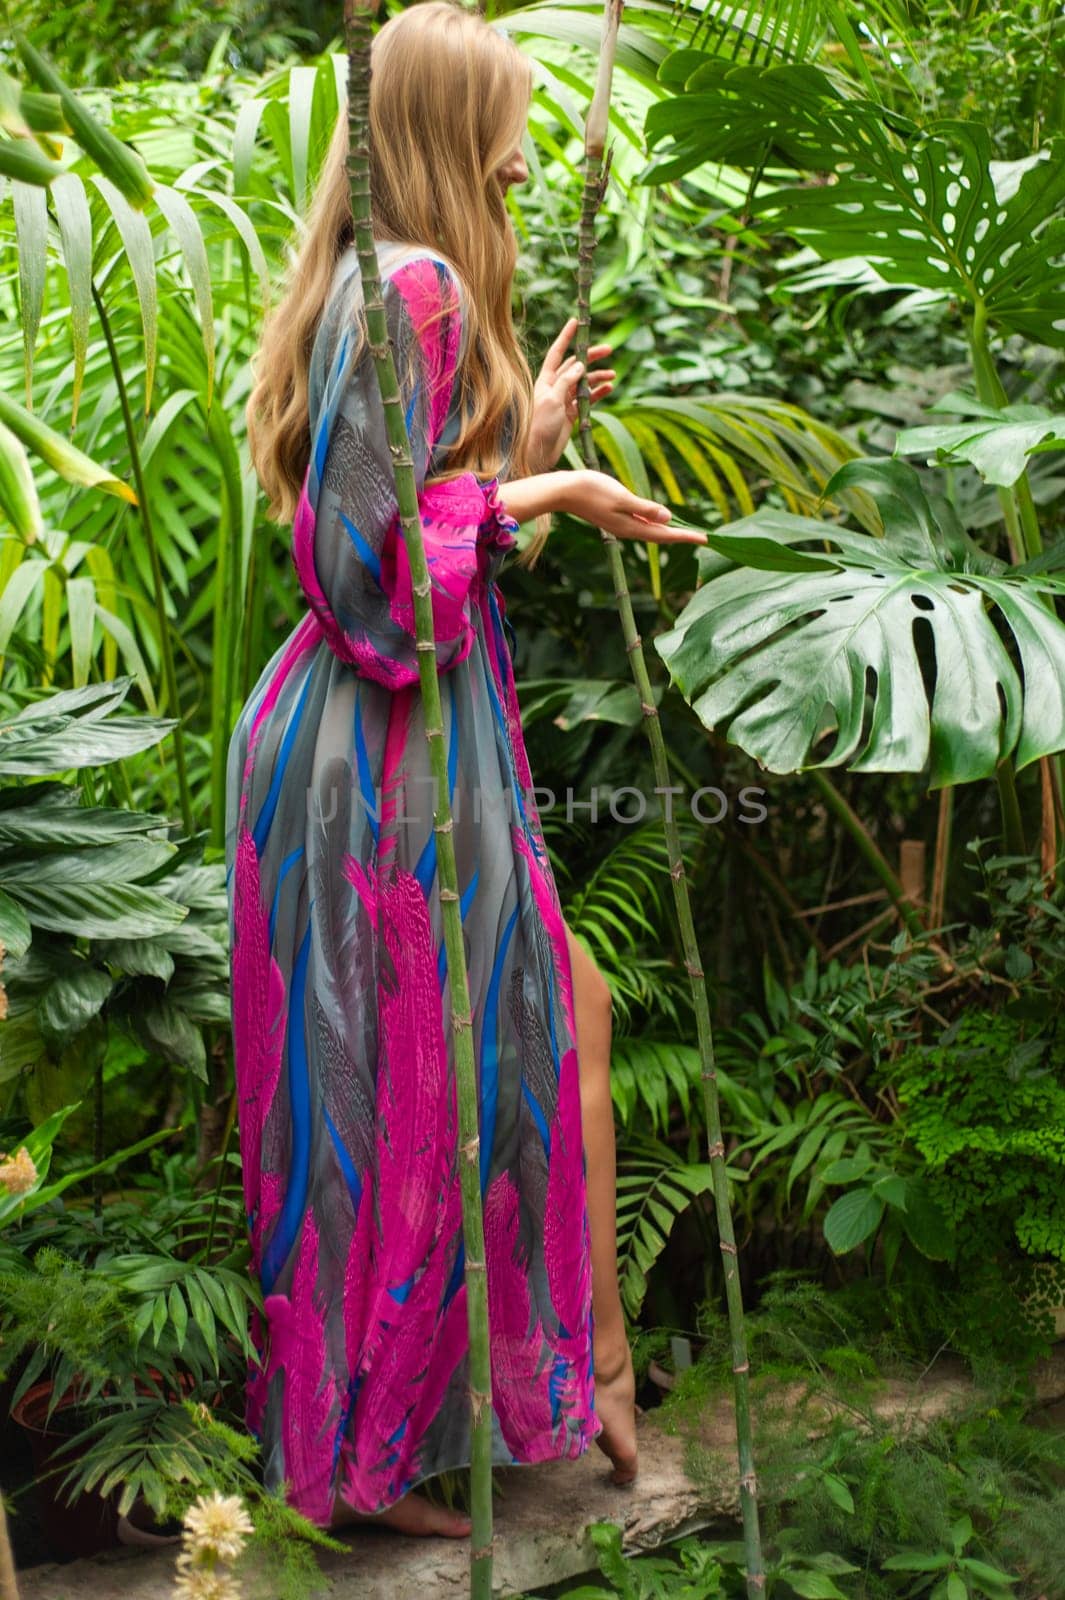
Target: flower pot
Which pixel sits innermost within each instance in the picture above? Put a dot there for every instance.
(90, 1523)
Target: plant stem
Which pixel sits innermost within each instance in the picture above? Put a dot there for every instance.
(166, 654)
(358, 33)
(869, 849)
(1012, 826)
(937, 909)
(596, 172)
(1018, 507)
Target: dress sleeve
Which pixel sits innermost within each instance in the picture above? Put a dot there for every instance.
(348, 546)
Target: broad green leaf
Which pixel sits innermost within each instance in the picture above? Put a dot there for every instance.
(58, 452)
(806, 652)
(838, 1492)
(929, 208)
(183, 220)
(913, 1561)
(81, 607)
(74, 216)
(301, 84)
(31, 236)
(57, 822)
(99, 910)
(23, 582)
(814, 1586)
(72, 1001)
(15, 929)
(50, 743)
(22, 162)
(120, 164)
(997, 443)
(853, 1218)
(988, 1575)
(135, 232)
(169, 1030)
(18, 491)
(123, 861)
(179, 1314)
(245, 231)
(848, 1170)
(244, 132)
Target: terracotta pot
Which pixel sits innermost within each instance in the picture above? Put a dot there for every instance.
(90, 1523)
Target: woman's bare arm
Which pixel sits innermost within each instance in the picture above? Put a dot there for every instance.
(597, 498)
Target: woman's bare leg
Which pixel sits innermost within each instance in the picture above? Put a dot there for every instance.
(615, 1386)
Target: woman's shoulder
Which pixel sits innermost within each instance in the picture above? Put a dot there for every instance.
(414, 270)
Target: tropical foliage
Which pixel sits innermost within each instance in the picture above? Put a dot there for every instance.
(831, 265)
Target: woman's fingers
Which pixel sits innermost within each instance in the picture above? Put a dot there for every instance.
(557, 349)
(659, 533)
(556, 359)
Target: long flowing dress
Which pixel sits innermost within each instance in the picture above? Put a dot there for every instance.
(347, 1104)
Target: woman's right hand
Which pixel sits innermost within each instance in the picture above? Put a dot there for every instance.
(598, 498)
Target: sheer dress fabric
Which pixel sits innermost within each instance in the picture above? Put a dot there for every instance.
(348, 1117)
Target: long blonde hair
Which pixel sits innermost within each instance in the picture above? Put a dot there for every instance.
(449, 98)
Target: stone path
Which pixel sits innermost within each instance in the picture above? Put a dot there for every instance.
(542, 1516)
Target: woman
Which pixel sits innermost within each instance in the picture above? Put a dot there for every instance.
(347, 1101)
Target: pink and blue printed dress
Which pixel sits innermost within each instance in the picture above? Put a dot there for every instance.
(347, 1106)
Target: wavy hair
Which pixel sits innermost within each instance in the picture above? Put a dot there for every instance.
(449, 98)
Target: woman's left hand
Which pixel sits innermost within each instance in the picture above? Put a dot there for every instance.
(555, 397)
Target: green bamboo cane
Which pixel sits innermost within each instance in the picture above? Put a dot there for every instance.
(358, 35)
(8, 1580)
(596, 172)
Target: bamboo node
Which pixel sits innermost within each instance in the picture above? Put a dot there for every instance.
(478, 1401)
(449, 894)
(460, 1021)
(426, 644)
(727, 1248)
(749, 1482)
(445, 827)
(483, 1552)
(434, 733)
(676, 871)
(648, 711)
(717, 1149)
(690, 967)
(745, 1366)
(469, 1150)
(635, 645)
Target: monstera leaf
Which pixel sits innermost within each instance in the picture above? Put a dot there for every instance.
(929, 207)
(996, 442)
(823, 647)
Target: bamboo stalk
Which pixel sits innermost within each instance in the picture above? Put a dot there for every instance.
(8, 1580)
(595, 179)
(358, 36)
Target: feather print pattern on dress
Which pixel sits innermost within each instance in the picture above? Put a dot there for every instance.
(347, 1106)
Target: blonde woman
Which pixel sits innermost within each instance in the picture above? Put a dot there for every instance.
(348, 1115)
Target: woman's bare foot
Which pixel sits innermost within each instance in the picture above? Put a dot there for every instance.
(615, 1402)
(412, 1514)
